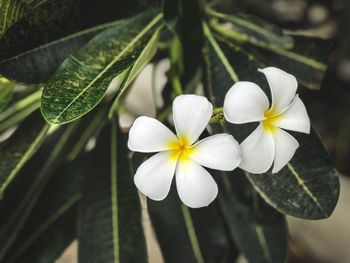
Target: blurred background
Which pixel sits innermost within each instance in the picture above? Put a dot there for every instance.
(324, 241)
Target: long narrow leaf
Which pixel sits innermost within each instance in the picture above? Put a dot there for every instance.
(33, 48)
(17, 150)
(110, 215)
(82, 80)
(52, 225)
(306, 60)
(22, 211)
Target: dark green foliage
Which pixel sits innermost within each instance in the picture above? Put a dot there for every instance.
(308, 191)
(34, 47)
(16, 151)
(56, 185)
(170, 229)
(307, 60)
(179, 14)
(54, 220)
(6, 89)
(259, 231)
(110, 227)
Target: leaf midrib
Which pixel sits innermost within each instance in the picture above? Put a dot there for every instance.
(220, 54)
(305, 188)
(130, 45)
(114, 192)
(244, 23)
(283, 52)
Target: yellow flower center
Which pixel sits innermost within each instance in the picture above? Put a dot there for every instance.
(181, 149)
(270, 118)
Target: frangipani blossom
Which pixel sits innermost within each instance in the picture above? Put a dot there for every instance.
(144, 96)
(180, 154)
(269, 143)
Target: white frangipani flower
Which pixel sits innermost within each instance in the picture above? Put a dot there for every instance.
(180, 154)
(269, 143)
(145, 94)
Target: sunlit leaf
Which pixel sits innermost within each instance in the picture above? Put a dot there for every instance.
(82, 80)
(131, 73)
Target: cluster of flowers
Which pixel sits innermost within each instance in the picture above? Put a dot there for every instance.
(181, 155)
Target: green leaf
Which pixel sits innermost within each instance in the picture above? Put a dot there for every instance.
(19, 110)
(82, 80)
(179, 14)
(169, 224)
(110, 216)
(172, 232)
(20, 213)
(33, 48)
(213, 238)
(10, 12)
(19, 148)
(190, 235)
(259, 231)
(52, 242)
(252, 29)
(308, 186)
(306, 60)
(52, 224)
(6, 88)
(145, 57)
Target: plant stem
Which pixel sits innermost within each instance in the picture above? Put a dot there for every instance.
(192, 233)
(218, 116)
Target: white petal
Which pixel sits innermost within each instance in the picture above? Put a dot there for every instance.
(220, 151)
(283, 87)
(191, 115)
(149, 135)
(245, 102)
(139, 99)
(285, 147)
(196, 187)
(257, 151)
(295, 117)
(160, 79)
(153, 177)
(125, 120)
